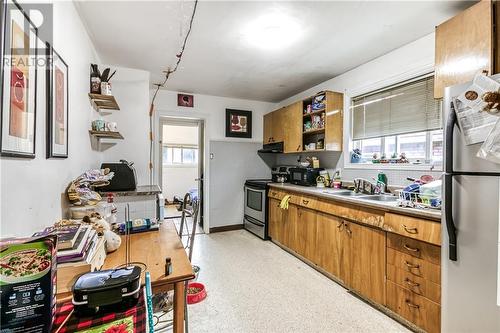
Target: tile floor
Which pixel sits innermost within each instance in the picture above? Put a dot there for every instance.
(254, 286)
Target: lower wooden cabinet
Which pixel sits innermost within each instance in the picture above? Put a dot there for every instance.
(401, 273)
(329, 230)
(415, 308)
(305, 229)
(363, 261)
(283, 224)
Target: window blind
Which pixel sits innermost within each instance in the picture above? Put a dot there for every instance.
(405, 108)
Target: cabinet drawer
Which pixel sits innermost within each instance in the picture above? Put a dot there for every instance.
(276, 194)
(414, 283)
(415, 248)
(353, 213)
(415, 266)
(308, 202)
(425, 230)
(417, 309)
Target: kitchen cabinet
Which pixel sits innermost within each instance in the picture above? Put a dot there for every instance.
(287, 125)
(329, 230)
(292, 125)
(305, 232)
(334, 123)
(465, 46)
(273, 126)
(282, 224)
(390, 259)
(268, 128)
(363, 261)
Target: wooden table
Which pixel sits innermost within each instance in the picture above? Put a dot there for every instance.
(151, 248)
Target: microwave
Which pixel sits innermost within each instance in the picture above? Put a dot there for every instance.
(304, 176)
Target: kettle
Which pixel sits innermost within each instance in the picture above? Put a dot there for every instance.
(320, 181)
(281, 179)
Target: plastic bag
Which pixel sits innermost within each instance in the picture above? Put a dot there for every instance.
(490, 149)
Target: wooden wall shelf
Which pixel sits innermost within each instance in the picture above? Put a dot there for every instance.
(103, 102)
(313, 113)
(106, 135)
(314, 131)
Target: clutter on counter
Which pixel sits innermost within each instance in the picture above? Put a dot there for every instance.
(27, 279)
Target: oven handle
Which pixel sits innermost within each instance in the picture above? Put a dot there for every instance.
(254, 188)
(254, 221)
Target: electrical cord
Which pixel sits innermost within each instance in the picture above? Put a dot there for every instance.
(168, 72)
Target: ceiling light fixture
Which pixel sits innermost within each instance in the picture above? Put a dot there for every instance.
(272, 31)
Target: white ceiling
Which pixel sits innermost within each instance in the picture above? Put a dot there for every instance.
(335, 37)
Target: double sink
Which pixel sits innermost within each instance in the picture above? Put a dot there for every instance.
(371, 197)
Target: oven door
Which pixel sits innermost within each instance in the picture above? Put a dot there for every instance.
(255, 203)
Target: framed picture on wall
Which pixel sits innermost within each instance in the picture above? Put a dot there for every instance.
(185, 100)
(18, 76)
(57, 105)
(238, 123)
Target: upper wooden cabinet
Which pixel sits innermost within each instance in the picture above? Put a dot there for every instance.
(287, 124)
(268, 128)
(465, 47)
(273, 126)
(334, 122)
(292, 125)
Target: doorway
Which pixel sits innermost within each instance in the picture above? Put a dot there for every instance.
(181, 164)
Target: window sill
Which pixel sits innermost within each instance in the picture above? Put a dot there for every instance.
(388, 166)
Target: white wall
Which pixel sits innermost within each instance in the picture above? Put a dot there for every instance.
(409, 61)
(31, 188)
(212, 110)
(131, 90)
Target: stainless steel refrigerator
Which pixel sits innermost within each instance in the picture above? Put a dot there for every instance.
(470, 253)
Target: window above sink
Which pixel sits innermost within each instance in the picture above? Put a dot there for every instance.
(397, 127)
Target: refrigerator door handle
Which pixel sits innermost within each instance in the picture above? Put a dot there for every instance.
(448, 185)
(448, 215)
(450, 126)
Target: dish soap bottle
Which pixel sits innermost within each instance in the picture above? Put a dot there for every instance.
(382, 181)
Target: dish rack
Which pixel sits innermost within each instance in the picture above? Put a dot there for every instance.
(419, 200)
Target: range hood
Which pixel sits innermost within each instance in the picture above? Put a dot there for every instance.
(272, 148)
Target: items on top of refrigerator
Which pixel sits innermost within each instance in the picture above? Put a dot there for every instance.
(478, 111)
(482, 95)
(469, 106)
(490, 149)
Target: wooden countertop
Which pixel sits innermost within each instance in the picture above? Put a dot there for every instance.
(383, 206)
(151, 248)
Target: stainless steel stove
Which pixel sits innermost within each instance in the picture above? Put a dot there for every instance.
(255, 213)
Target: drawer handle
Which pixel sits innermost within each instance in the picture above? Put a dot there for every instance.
(340, 224)
(410, 230)
(349, 231)
(412, 249)
(305, 202)
(412, 305)
(410, 265)
(411, 283)
(298, 147)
